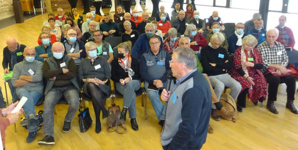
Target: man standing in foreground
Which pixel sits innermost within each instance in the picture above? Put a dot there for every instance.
(187, 115)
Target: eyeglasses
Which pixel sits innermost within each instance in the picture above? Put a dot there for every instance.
(72, 34)
(97, 35)
(154, 43)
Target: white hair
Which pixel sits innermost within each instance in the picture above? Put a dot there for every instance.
(218, 36)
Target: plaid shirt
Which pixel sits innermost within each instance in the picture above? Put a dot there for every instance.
(273, 55)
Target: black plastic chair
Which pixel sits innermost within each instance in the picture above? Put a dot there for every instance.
(113, 40)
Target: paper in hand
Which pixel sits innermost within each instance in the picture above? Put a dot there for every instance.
(20, 105)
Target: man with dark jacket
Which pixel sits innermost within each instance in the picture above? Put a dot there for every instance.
(60, 72)
(180, 22)
(12, 54)
(187, 118)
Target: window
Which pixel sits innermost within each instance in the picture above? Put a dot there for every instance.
(204, 2)
(247, 4)
(220, 2)
(292, 6)
(276, 5)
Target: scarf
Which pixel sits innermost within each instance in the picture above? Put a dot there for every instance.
(239, 42)
(128, 68)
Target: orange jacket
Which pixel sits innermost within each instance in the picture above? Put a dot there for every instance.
(137, 21)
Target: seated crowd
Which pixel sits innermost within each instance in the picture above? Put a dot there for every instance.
(72, 54)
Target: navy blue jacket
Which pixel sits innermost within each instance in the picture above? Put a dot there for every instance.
(232, 43)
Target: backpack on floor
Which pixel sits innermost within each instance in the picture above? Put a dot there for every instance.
(113, 119)
(227, 101)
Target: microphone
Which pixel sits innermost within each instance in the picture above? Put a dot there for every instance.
(169, 80)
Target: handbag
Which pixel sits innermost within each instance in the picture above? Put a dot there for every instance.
(227, 101)
(113, 119)
(85, 119)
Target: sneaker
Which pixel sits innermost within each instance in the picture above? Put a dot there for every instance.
(47, 140)
(66, 126)
(31, 137)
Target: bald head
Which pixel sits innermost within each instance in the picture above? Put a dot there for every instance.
(271, 36)
(58, 47)
(162, 8)
(215, 14)
(11, 43)
(282, 20)
(181, 15)
(127, 16)
(29, 52)
(145, 16)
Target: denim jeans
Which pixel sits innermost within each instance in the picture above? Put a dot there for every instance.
(71, 95)
(129, 95)
(2, 102)
(33, 97)
(158, 107)
(12, 91)
(219, 82)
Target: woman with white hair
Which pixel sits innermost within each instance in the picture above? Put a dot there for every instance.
(129, 34)
(247, 71)
(216, 63)
(172, 41)
(197, 40)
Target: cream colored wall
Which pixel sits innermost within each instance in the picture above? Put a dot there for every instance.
(6, 9)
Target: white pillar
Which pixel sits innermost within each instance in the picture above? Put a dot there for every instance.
(113, 6)
(138, 6)
(149, 6)
(101, 12)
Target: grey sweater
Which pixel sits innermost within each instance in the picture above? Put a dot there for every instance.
(22, 68)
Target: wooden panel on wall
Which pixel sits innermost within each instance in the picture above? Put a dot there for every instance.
(6, 9)
(64, 4)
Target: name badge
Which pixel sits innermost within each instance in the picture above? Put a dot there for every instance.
(31, 72)
(54, 31)
(105, 53)
(186, 23)
(97, 67)
(121, 18)
(160, 24)
(160, 63)
(19, 53)
(250, 59)
(174, 98)
(72, 50)
(221, 55)
(279, 53)
(132, 35)
(263, 34)
(62, 65)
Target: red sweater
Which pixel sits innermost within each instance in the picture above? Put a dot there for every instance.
(291, 37)
(201, 42)
(57, 18)
(137, 21)
(164, 26)
(4, 123)
(53, 39)
(189, 12)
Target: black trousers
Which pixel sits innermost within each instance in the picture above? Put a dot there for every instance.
(73, 3)
(97, 6)
(127, 5)
(274, 82)
(155, 11)
(86, 6)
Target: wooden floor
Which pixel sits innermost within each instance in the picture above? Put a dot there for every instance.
(256, 129)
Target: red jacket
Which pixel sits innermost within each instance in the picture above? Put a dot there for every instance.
(200, 40)
(291, 37)
(53, 39)
(164, 26)
(4, 123)
(137, 21)
(57, 18)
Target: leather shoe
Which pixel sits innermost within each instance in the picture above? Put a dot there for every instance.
(210, 129)
(239, 108)
(123, 114)
(290, 105)
(271, 107)
(225, 112)
(215, 115)
(134, 125)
